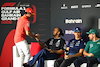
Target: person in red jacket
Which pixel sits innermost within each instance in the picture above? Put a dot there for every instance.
(23, 29)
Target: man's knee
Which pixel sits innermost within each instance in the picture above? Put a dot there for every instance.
(56, 64)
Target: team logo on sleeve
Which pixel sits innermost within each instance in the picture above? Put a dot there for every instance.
(51, 42)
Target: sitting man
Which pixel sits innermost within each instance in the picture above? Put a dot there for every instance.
(92, 50)
(74, 49)
(53, 49)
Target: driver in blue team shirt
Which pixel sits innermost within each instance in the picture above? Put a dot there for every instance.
(74, 50)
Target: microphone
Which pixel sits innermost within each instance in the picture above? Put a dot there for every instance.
(66, 51)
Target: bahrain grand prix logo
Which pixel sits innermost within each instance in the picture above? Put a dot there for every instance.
(11, 11)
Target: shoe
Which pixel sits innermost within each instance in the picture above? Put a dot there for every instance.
(26, 65)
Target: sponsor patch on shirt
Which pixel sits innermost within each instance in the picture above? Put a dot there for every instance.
(91, 45)
(98, 42)
(58, 43)
(77, 43)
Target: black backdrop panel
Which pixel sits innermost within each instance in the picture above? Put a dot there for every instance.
(87, 10)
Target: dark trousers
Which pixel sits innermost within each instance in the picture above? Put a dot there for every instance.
(41, 56)
(89, 60)
(61, 62)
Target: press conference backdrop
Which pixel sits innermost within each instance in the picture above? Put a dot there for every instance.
(66, 14)
(11, 10)
(69, 14)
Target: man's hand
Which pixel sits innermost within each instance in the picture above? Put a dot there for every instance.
(85, 53)
(68, 56)
(51, 51)
(90, 55)
(37, 37)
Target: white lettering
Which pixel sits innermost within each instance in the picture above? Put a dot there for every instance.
(73, 21)
(74, 6)
(69, 32)
(98, 5)
(86, 6)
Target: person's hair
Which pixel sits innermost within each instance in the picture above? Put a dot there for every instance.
(61, 31)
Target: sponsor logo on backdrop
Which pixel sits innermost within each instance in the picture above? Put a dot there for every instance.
(69, 31)
(11, 11)
(86, 6)
(70, 21)
(97, 5)
(74, 6)
(64, 6)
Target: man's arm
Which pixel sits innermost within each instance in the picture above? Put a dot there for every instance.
(86, 50)
(61, 51)
(29, 33)
(36, 36)
(57, 51)
(42, 44)
(75, 55)
(88, 54)
(79, 53)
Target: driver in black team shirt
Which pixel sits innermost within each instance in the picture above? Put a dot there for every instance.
(53, 49)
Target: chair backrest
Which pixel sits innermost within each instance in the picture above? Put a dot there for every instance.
(6, 58)
(35, 48)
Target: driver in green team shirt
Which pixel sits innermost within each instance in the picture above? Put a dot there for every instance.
(91, 52)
